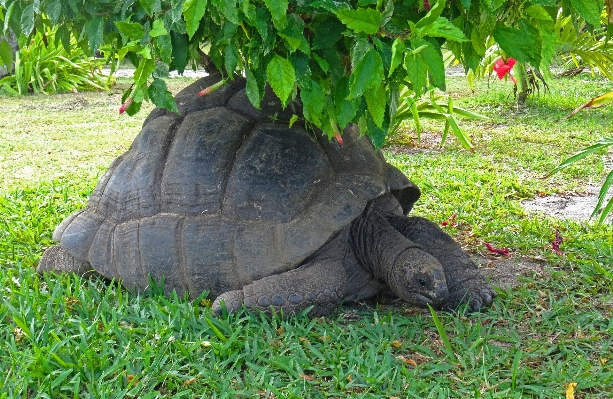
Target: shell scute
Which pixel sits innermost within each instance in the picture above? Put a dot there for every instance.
(198, 162)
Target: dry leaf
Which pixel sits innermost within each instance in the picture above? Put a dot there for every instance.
(280, 331)
(19, 334)
(307, 377)
(603, 361)
(302, 339)
(410, 362)
(396, 344)
(190, 381)
(570, 391)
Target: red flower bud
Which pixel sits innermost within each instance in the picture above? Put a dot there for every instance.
(211, 88)
(126, 105)
(338, 138)
(427, 5)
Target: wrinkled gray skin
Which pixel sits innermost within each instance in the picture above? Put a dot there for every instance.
(222, 199)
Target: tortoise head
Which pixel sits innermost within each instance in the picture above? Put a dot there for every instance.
(418, 278)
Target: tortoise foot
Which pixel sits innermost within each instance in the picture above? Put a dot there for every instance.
(233, 300)
(58, 259)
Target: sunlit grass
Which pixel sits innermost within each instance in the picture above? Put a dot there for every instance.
(65, 337)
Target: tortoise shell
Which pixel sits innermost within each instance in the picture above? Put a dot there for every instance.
(223, 194)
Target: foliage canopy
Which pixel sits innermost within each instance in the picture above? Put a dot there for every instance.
(346, 60)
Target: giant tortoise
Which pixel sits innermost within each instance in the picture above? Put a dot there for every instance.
(230, 199)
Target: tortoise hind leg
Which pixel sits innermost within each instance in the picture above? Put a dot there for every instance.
(59, 260)
(320, 283)
(465, 283)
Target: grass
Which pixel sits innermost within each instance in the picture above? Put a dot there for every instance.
(67, 337)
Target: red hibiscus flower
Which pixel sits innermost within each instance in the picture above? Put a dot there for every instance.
(503, 68)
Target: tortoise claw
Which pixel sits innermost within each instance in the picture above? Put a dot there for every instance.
(232, 300)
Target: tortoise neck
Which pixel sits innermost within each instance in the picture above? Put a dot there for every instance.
(377, 244)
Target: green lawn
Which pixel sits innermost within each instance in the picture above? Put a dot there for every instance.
(64, 337)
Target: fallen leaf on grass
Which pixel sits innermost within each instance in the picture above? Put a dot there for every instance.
(396, 344)
(19, 334)
(410, 362)
(450, 221)
(570, 391)
(497, 251)
(555, 244)
(189, 382)
(307, 377)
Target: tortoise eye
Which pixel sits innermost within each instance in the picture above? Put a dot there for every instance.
(422, 282)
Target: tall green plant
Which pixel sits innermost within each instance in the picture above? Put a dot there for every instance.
(43, 66)
(604, 143)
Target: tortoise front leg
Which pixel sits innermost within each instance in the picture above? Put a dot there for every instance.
(465, 283)
(319, 283)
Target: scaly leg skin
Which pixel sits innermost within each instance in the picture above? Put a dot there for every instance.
(58, 259)
(465, 283)
(320, 283)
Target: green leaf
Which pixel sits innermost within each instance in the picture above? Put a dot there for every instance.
(228, 9)
(376, 100)
(603, 143)
(367, 73)
(538, 12)
(132, 30)
(359, 49)
(398, 49)
(278, 10)
(601, 198)
(160, 96)
(158, 29)
(432, 15)
(477, 42)
(294, 34)
(362, 20)
(314, 101)
(53, 8)
(417, 71)
(193, 11)
(377, 135)
(345, 109)
(95, 33)
(179, 50)
(231, 59)
(327, 32)
(590, 10)
(523, 44)
(63, 35)
(282, 77)
(6, 53)
(433, 58)
(151, 6)
(143, 71)
(252, 89)
(176, 10)
(442, 27)
(250, 11)
(27, 19)
(164, 47)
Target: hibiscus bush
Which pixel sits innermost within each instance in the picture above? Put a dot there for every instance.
(347, 61)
